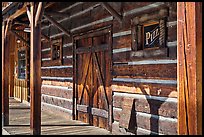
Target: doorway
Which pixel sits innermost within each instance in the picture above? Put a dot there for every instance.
(92, 78)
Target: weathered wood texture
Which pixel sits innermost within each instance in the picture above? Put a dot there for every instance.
(157, 115)
(12, 64)
(35, 71)
(93, 79)
(5, 73)
(87, 16)
(189, 67)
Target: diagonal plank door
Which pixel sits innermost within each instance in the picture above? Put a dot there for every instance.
(93, 75)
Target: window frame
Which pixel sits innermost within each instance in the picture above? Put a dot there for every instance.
(59, 41)
(137, 27)
(19, 61)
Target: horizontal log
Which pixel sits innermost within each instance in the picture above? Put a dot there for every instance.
(57, 78)
(57, 83)
(57, 102)
(149, 53)
(49, 63)
(121, 50)
(146, 7)
(151, 106)
(64, 72)
(140, 80)
(57, 67)
(122, 42)
(67, 113)
(144, 89)
(154, 123)
(155, 71)
(121, 56)
(58, 91)
(67, 51)
(68, 61)
(116, 130)
(46, 54)
(45, 45)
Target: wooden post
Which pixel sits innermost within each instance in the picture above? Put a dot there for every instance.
(5, 75)
(189, 67)
(35, 73)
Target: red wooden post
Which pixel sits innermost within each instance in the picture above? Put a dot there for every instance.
(189, 67)
(35, 74)
(5, 75)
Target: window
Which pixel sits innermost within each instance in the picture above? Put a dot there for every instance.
(22, 64)
(149, 34)
(56, 46)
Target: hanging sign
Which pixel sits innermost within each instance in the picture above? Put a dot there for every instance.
(151, 35)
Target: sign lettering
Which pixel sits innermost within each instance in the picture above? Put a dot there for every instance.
(151, 36)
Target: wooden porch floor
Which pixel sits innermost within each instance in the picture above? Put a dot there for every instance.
(52, 124)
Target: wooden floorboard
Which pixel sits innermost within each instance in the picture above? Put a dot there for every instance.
(52, 124)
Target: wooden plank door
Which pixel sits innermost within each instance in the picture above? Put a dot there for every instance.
(93, 77)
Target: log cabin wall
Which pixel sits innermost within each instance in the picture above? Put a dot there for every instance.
(144, 89)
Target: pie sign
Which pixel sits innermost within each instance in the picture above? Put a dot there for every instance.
(151, 36)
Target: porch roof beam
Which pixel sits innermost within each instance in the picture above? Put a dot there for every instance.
(55, 13)
(59, 26)
(45, 36)
(20, 37)
(39, 12)
(112, 11)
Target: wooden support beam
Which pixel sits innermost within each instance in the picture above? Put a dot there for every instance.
(35, 74)
(6, 28)
(189, 67)
(5, 75)
(45, 36)
(28, 12)
(112, 11)
(55, 13)
(20, 37)
(59, 26)
(39, 12)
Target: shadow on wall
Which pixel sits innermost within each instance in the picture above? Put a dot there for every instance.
(132, 120)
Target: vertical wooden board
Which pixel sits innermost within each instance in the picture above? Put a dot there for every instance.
(5, 78)
(188, 26)
(17, 88)
(102, 123)
(95, 95)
